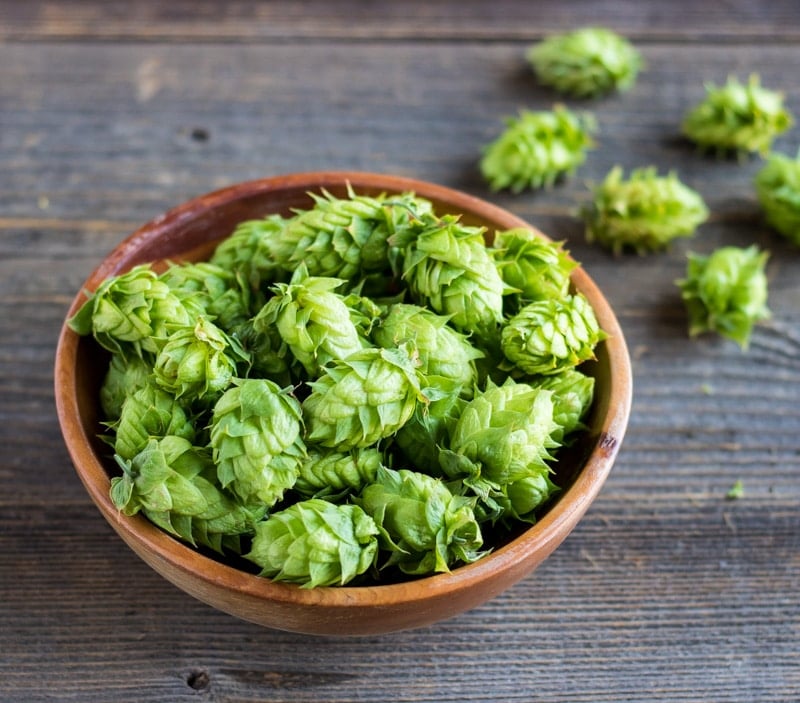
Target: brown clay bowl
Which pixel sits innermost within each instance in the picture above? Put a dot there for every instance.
(190, 232)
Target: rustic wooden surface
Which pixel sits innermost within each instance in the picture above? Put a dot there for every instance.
(111, 113)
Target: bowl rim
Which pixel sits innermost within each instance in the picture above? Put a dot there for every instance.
(531, 546)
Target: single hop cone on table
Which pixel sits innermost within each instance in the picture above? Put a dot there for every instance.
(726, 292)
(537, 148)
(586, 63)
(644, 212)
(256, 438)
(778, 189)
(315, 543)
(742, 118)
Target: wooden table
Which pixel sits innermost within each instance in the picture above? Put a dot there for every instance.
(111, 113)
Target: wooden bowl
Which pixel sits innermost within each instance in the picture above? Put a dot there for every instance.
(190, 232)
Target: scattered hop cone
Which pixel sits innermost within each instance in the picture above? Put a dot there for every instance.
(447, 266)
(173, 484)
(778, 188)
(443, 352)
(362, 399)
(534, 267)
(427, 528)
(198, 361)
(315, 543)
(131, 312)
(312, 319)
(586, 63)
(644, 213)
(256, 440)
(125, 375)
(346, 237)
(549, 336)
(726, 292)
(536, 149)
(149, 413)
(738, 117)
(573, 393)
(249, 251)
(331, 474)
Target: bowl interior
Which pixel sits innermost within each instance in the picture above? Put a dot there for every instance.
(190, 232)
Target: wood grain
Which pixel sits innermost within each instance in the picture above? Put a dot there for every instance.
(666, 591)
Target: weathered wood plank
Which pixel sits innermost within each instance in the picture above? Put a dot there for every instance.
(206, 20)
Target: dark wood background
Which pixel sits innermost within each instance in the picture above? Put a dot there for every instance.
(113, 112)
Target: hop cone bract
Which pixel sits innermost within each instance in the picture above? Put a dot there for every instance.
(125, 375)
(315, 543)
(328, 473)
(573, 393)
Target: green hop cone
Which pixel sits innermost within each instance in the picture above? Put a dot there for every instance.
(506, 433)
(534, 267)
(447, 267)
(198, 361)
(549, 336)
(173, 484)
(644, 213)
(220, 294)
(738, 117)
(249, 251)
(443, 351)
(315, 543)
(778, 189)
(130, 312)
(726, 292)
(586, 63)
(149, 413)
(331, 474)
(573, 393)
(347, 237)
(312, 319)
(125, 375)
(536, 149)
(269, 355)
(426, 527)
(256, 440)
(362, 399)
